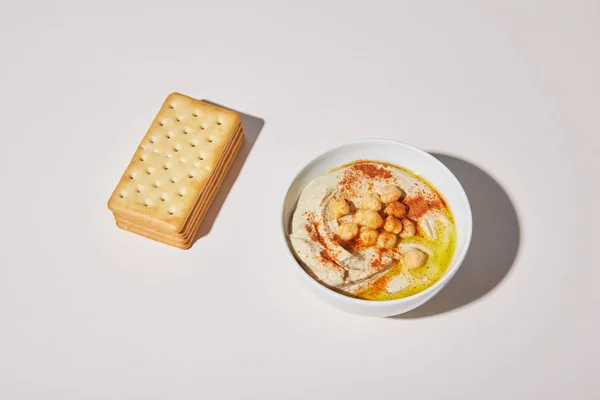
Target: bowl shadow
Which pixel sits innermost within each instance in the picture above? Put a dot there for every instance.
(252, 128)
(494, 245)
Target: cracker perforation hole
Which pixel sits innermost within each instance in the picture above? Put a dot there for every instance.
(219, 122)
(166, 167)
(177, 119)
(173, 180)
(193, 144)
(155, 185)
(195, 115)
(171, 106)
(168, 136)
(152, 140)
(185, 132)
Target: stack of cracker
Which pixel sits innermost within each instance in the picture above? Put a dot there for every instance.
(176, 171)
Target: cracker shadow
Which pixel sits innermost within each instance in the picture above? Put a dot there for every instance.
(252, 128)
(494, 245)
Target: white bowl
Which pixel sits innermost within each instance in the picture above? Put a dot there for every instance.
(401, 154)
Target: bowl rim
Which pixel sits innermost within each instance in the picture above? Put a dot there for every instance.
(381, 303)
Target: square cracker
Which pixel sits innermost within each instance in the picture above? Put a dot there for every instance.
(165, 237)
(221, 168)
(173, 162)
(184, 241)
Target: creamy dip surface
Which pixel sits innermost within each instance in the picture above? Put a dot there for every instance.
(374, 231)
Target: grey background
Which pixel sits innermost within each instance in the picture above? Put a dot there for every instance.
(506, 93)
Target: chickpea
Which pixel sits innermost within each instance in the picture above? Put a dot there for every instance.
(368, 218)
(348, 231)
(370, 202)
(414, 258)
(390, 193)
(393, 224)
(386, 240)
(396, 209)
(408, 228)
(339, 208)
(368, 236)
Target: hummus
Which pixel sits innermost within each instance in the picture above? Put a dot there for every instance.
(390, 255)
